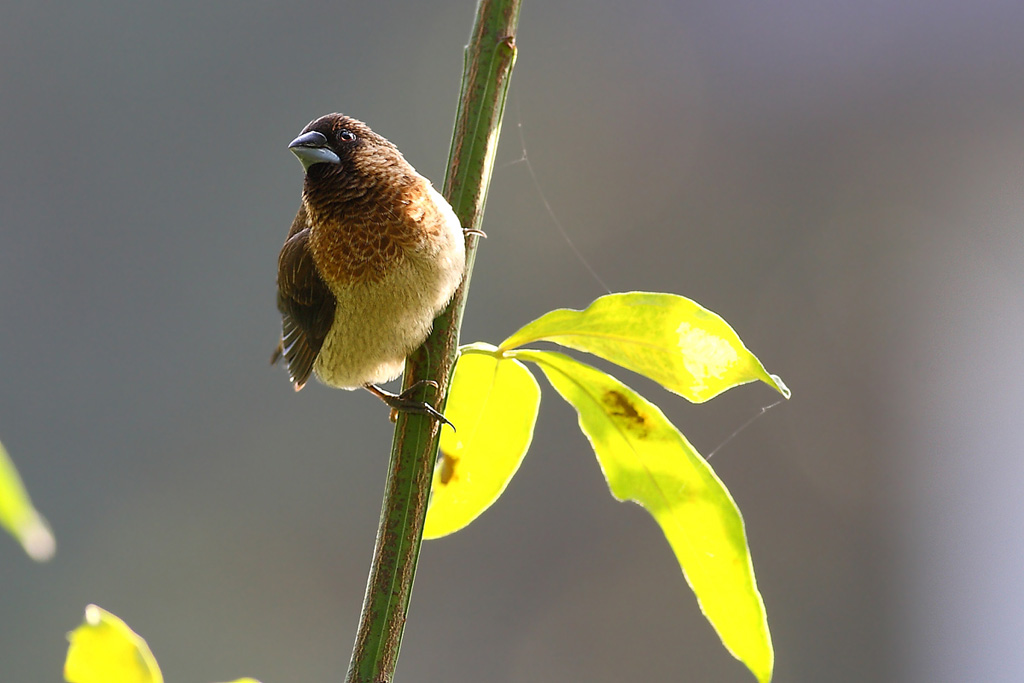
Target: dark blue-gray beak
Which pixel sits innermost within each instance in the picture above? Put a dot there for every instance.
(311, 148)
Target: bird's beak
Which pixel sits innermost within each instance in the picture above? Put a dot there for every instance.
(311, 148)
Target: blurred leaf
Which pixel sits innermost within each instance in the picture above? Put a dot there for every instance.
(104, 650)
(675, 341)
(19, 517)
(493, 402)
(647, 460)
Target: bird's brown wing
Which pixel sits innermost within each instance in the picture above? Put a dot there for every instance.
(306, 305)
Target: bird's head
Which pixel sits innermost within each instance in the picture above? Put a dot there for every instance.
(340, 151)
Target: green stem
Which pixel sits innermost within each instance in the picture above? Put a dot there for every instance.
(490, 56)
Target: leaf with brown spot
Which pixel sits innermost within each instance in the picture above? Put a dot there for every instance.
(620, 406)
(647, 460)
(494, 401)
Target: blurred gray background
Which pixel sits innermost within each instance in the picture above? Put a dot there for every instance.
(843, 182)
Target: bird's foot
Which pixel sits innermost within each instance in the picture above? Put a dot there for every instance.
(474, 231)
(404, 402)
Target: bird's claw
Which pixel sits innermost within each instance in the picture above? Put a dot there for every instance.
(405, 403)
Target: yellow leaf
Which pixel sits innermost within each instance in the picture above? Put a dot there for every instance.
(675, 341)
(493, 402)
(104, 650)
(19, 517)
(647, 460)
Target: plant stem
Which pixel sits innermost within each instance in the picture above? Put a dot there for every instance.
(489, 59)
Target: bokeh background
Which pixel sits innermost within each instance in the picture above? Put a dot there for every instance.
(843, 182)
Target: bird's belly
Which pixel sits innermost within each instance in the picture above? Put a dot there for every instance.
(378, 324)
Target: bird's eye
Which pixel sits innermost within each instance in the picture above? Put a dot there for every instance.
(347, 135)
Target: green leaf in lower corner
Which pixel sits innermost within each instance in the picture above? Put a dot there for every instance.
(19, 517)
(647, 460)
(104, 650)
(675, 341)
(493, 402)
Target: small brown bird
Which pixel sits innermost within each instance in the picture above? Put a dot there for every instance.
(373, 255)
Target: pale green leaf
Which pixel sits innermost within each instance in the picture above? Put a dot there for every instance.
(104, 650)
(493, 403)
(675, 341)
(19, 517)
(647, 460)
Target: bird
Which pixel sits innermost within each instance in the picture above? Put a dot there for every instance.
(374, 254)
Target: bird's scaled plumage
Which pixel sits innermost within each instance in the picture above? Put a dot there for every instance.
(373, 255)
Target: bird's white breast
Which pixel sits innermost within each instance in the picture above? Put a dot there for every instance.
(377, 324)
